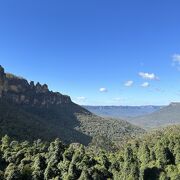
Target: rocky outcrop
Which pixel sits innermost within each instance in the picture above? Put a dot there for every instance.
(20, 91)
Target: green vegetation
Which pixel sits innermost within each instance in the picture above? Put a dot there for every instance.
(154, 156)
(69, 122)
(115, 130)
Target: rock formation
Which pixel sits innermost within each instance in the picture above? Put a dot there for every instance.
(20, 91)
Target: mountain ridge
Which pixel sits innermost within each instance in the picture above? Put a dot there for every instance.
(122, 111)
(168, 115)
(29, 111)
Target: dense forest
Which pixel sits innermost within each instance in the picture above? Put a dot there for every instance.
(156, 155)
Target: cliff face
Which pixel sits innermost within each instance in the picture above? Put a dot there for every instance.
(20, 91)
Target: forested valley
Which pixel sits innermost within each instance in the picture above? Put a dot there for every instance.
(155, 155)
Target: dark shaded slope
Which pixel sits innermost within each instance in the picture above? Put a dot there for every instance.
(71, 123)
(30, 123)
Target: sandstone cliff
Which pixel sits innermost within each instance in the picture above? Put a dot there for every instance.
(20, 91)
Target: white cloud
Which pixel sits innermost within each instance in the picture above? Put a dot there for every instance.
(145, 84)
(176, 61)
(103, 90)
(176, 58)
(150, 76)
(128, 83)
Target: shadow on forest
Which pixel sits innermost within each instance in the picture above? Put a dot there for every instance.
(30, 123)
(151, 173)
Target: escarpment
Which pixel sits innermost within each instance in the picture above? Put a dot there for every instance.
(20, 91)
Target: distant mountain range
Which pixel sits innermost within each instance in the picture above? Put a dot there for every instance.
(143, 116)
(30, 111)
(122, 111)
(165, 116)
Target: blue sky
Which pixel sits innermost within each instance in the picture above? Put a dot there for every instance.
(130, 50)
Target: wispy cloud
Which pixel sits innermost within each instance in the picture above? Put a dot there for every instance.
(128, 83)
(176, 58)
(145, 84)
(103, 89)
(176, 61)
(149, 76)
